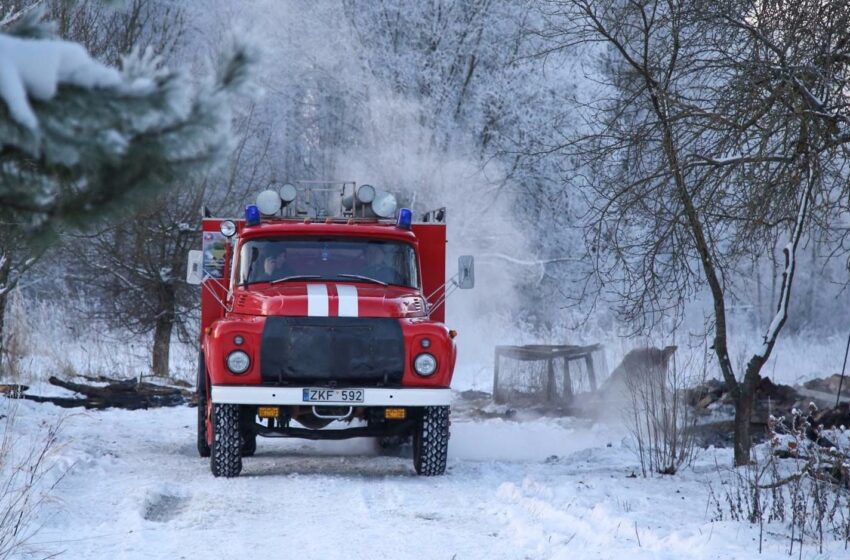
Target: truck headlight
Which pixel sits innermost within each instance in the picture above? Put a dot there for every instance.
(425, 364)
(227, 228)
(238, 361)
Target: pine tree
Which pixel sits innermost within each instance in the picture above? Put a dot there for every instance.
(78, 138)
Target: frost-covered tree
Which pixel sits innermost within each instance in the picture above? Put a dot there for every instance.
(721, 129)
(473, 95)
(135, 268)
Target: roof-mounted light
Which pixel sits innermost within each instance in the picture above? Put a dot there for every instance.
(227, 228)
(405, 218)
(252, 215)
(268, 202)
(362, 195)
(288, 193)
(384, 205)
(365, 194)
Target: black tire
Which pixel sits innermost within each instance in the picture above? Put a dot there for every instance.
(226, 452)
(431, 441)
(203, 446)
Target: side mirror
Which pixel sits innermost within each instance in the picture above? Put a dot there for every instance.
(195, 268)
(466, 272)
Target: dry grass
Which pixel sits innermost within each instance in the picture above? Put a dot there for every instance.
(26, 482)
(797, 484)
(18, 338)
(659, 417)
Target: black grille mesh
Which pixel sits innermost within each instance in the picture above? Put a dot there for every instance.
(332, 351)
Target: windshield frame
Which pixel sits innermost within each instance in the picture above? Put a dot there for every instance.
(411, 246)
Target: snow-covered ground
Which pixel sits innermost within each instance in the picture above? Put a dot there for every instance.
(540, 488)
(535, 488)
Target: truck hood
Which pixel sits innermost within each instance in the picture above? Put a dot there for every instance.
(329, 299)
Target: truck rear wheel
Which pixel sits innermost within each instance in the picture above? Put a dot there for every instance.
(203, 446)
(431, 441)
(226, 452)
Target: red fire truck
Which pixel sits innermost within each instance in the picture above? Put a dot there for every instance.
(324, 325)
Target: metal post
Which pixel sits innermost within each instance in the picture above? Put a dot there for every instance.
(843, 369)
(496, 395)
(591, 373)
(568, 380)
(552, 387)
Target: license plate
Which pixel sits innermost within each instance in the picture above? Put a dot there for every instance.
(332, 395)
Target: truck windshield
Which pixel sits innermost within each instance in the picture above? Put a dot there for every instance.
(328, 258)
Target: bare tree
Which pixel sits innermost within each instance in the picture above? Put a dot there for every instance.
(109, 31)
(17, 256)
(136, 267)
(720, 127)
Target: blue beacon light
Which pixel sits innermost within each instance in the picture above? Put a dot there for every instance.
(252, 215)
(405, 218)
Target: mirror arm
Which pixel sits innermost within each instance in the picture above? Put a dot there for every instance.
(450, 287)
(208, 276)
(451, 280)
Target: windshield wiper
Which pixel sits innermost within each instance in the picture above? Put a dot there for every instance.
(365, 278)
(296, 277)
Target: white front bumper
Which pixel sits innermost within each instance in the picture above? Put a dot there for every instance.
(235, 394)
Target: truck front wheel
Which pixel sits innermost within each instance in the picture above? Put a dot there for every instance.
(203, 446)
(431, 441)
(226, 456)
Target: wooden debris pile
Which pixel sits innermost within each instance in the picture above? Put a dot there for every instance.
(829, 385)
(771, 399)
(130, 394)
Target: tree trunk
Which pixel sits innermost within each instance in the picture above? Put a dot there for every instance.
(162, 330)
(162, 345)
(4, 298)
(743, 417)
(5, 287)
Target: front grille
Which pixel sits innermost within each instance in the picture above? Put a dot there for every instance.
(330, 351)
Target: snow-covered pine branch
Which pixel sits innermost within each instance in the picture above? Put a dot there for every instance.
(78, 137)
(35, 69)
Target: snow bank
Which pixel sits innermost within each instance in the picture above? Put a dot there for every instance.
(33, 68)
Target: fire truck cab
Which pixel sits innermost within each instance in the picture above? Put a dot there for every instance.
(324, 325)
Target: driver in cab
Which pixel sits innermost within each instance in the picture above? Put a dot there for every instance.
(277, 266)
(380, 264)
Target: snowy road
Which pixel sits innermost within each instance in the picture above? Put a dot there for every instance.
(137, 489)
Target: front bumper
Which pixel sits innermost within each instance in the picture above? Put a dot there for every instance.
(242, 394)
